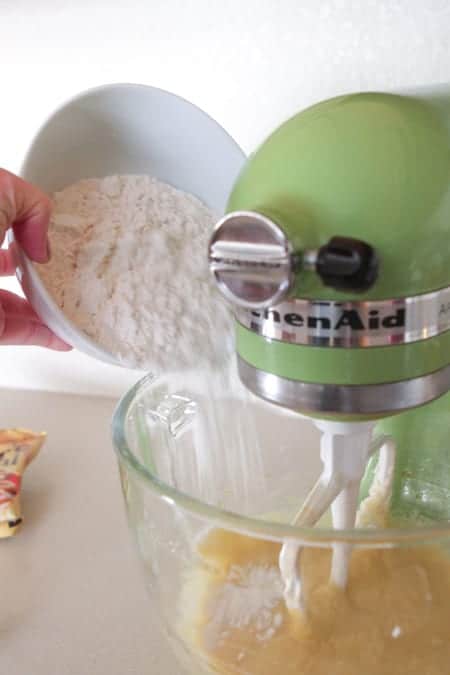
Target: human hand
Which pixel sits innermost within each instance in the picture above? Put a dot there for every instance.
(27, 210)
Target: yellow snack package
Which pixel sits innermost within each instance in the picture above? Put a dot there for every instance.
(18, 447)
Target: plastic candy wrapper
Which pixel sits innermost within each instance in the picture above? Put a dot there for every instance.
(18, 447)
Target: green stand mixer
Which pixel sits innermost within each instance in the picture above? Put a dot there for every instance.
(335, 256)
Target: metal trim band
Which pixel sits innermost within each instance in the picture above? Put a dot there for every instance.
(372, 323)
(365, 399)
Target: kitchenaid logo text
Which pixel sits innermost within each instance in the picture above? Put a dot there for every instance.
(372, 323)
(336, 320)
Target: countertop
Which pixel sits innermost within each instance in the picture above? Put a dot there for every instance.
(72, 598)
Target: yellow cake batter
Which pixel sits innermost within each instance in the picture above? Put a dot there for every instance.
(393, 618)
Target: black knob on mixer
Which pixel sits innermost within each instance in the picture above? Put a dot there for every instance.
(347, 264)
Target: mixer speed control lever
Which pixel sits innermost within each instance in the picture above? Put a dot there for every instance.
(347, 264)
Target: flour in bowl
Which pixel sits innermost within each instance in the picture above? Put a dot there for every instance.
(129, 268)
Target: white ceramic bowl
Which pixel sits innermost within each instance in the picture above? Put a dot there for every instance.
(120, 129)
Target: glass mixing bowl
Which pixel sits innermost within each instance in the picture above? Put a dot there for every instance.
(211, 478)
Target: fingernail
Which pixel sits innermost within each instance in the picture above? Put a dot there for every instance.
(42, 336)
(60, 346)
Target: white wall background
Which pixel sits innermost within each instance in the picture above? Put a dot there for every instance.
(249, 63)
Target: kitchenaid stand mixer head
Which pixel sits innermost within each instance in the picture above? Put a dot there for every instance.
(335, 256)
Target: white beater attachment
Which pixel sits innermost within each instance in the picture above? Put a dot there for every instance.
(345, 449)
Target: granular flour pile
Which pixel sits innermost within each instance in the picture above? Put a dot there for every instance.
(129, 268)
